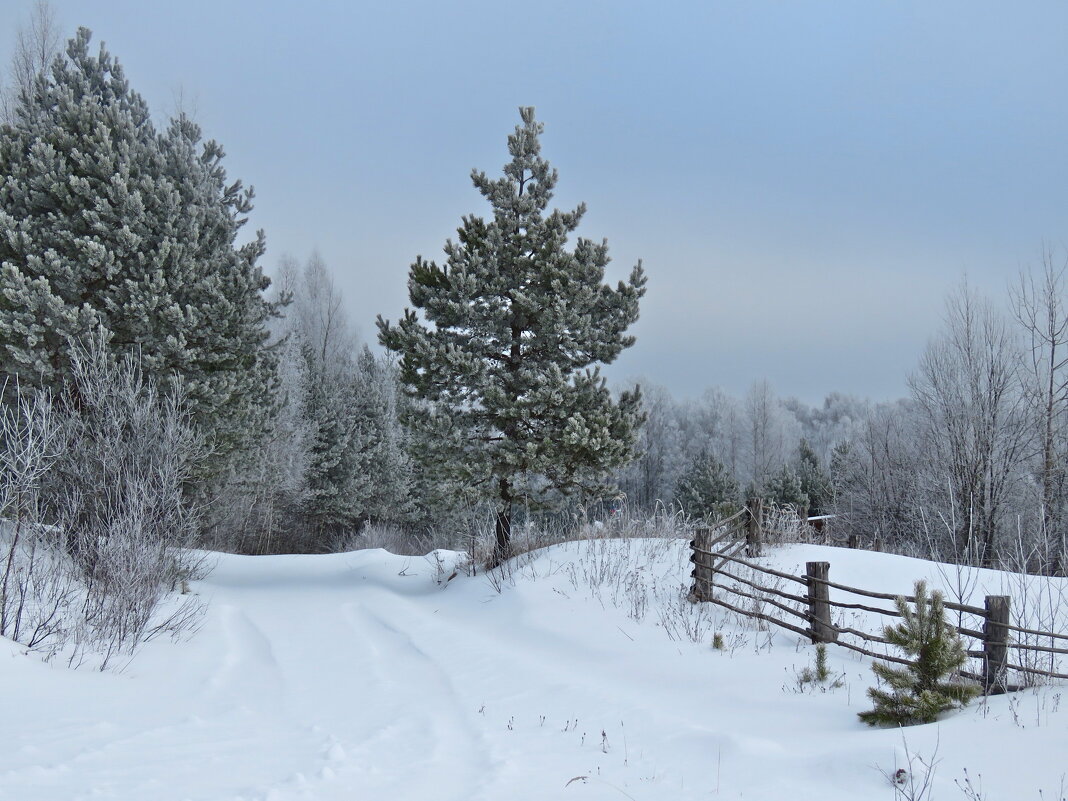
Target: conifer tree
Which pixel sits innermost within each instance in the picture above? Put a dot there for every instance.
(784, 489)
(815, 483)
(923, 689)
(385, 465)
(107, 224)
(506, 356)
(707, 487)
(332, 498)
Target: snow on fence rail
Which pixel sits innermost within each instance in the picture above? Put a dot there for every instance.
(718, 552)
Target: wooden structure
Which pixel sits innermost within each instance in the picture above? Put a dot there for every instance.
(722, 557)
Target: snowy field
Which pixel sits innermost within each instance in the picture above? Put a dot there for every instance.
(582, 675)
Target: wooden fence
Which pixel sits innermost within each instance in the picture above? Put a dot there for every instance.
(720, 549)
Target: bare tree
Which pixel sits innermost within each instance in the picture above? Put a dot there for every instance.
(974, 422)
(651, 476)
(1038, 305)
(97, 525)
(119, 495)
(874, 475)
(772, 433)
(36, 46)
(319, 314)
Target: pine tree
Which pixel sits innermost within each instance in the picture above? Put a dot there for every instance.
(358, 469)
(104, 223)
(920, 691)
(707, 487)
(219, 342)
(784, 489)
(515, 324)
(815, 484)
(356, 465)
(385, 463)
(333, 498)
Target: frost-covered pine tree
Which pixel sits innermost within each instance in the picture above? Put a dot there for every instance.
(784, 489)
(707, 487)
(815, 484)
(923, 689)
(514, 324)
(355, 465)
(105, 223)
(385, 463)
(357, 469)
(204, 313)
(334, 496)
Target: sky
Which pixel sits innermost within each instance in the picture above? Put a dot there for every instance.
(803, 182)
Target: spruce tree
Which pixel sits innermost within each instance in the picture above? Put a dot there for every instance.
(923, 689)
(506, 356)
(105, 223)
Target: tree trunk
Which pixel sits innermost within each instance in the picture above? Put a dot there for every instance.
(502, 548)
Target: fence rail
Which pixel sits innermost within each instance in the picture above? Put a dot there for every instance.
(721, 545)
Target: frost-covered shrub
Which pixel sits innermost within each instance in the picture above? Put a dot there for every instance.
(97, 520)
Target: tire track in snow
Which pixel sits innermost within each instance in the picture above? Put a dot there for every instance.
(503, 663)
(249, 666)
(416, 715)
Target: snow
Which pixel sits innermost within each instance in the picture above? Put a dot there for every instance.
(583, 674)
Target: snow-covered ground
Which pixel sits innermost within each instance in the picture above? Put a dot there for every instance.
(583, 675)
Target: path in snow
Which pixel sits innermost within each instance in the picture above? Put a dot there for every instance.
(357, 676)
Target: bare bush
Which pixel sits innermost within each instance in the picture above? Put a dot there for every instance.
(31, 594)
(98, 526)
(783, 525)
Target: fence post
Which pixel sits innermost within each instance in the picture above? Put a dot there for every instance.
(996, 642)
(702, 565)
(754, 535)
(819, 596)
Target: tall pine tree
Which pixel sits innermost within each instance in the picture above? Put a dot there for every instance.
(514, 326)
(107, 224)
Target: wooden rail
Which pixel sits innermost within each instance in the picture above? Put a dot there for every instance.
(720, 545)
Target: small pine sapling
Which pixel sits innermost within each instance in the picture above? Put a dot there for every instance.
(822, 671)
(922, 690)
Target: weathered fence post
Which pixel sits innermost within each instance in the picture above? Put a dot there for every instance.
(702, 565)
(996, 642)
(819, 607)
(754, 536)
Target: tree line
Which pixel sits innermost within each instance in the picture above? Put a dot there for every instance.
(970, 467)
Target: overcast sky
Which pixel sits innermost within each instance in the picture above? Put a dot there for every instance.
(803, 181)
